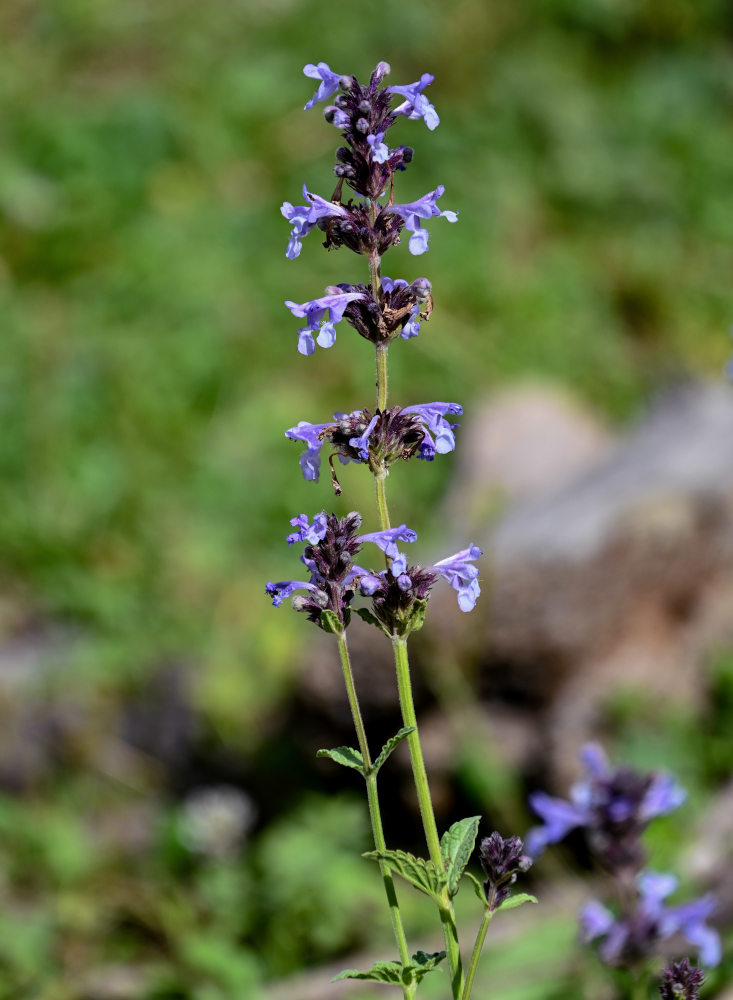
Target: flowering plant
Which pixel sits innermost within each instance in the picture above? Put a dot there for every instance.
(344, 575)
(393, 597)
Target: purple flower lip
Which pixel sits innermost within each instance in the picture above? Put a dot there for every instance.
(416, 105)
(304, 217)
(423, 208)
(329, 84)
(380, 150)
(461, 575)
(315, 313)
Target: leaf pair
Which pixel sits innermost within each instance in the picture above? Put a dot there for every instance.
(396, 974)
(348, 757)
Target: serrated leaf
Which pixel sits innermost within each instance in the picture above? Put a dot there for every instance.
(518, 900)
(390, 745)
(380, 972)
(477, 886)
(456, 846)
(424, 962)
(346, 756)
(422, 874)
(366, 615)
(330, 622)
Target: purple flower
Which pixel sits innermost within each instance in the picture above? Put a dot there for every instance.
(416, 105)
(314, 313)
(387, 542)
(613, 806)
(311, 533)
(637, 933)
(310, 460)
(423, 208)
(361, 443)
(461, 575)
(279, 592)
(432, 415)
(304, 217)
(380, 150)
(329, 82)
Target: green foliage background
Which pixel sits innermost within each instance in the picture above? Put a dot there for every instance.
(149, 366)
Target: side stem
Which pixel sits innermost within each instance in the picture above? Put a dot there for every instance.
(407, 705)
(374, 811)
(476, 953)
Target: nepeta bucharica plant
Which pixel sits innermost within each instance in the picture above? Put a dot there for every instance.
(339, 558)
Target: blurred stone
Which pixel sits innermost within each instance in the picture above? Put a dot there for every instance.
(621, 574)
(523, 442)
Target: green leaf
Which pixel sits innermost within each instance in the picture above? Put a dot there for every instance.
(366, 615)
(417, 619)
(422, 874)
(456, 846)
(477, 886)
(346, 756)
(330, 622)
(424, 962)
(389, 746)
(518, 900)
(380, 972)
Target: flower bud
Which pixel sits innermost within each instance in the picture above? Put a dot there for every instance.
(362, 125)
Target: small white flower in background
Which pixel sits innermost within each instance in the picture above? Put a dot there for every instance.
(214, 821)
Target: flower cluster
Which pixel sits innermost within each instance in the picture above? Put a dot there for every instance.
(367, 164)
(681, 981)
(502, 861)
(637, 934)
(613, 807)
(335, 579)
(402, 309)
(378, 439)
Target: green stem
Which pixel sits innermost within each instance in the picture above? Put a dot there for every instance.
(407, 705)
(384, 522)
(382, 378)
(476, 953)
(374, 811)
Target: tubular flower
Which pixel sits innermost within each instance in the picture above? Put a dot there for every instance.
(432, 416)
(461, 575)
(412, 212)
(321, 316)
(304, 217)
(380, 150)
(329, 84)
(416, 105)
(614, 808)
(456, 569)
(637, 934)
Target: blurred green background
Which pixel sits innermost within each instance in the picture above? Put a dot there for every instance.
(149, 369)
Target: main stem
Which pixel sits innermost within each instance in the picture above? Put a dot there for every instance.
(407, 705)
(476, 953)
(374, 811)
